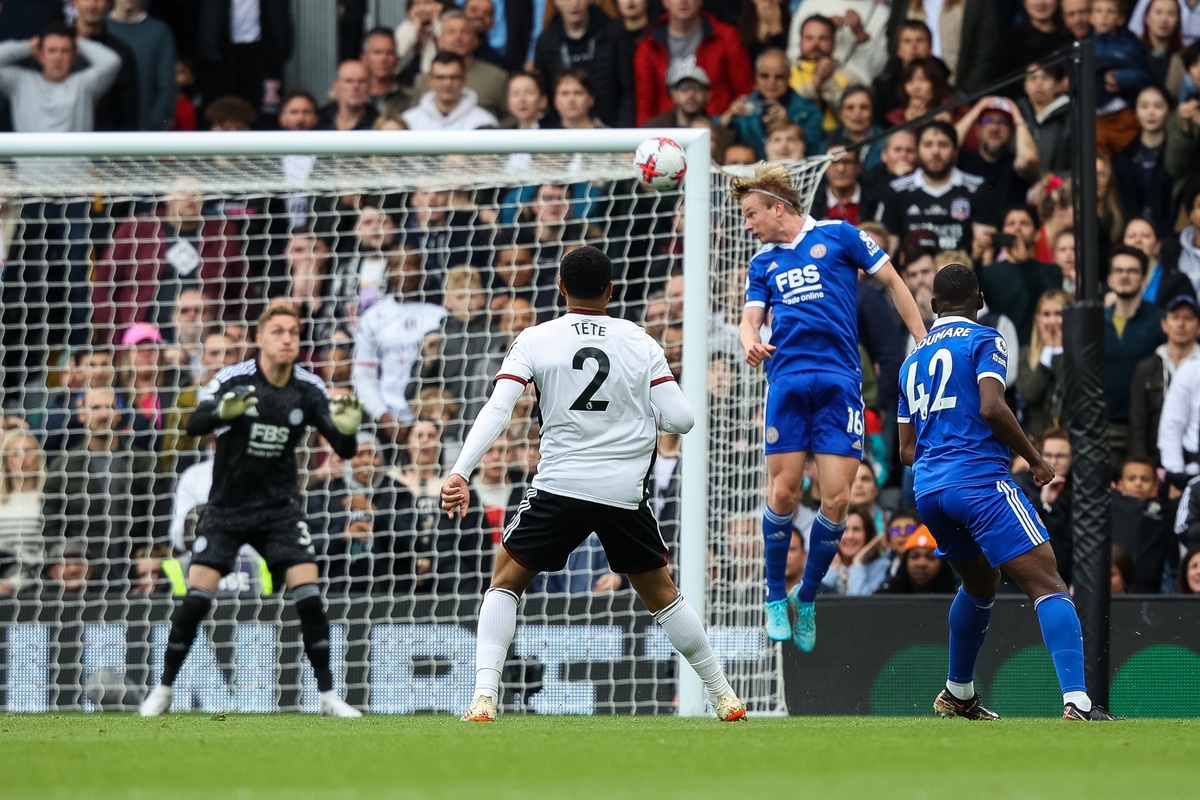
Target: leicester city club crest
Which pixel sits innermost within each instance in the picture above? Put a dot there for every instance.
(295, 416)
(772, 435)
(817, 251)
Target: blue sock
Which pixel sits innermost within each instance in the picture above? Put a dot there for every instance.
(969, 617)
(777, 539)
(822, 547)
(1064, 639)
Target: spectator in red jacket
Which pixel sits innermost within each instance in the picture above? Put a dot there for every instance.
(688, 34)
(154, 257)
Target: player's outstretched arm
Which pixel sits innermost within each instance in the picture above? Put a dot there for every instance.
(1004, 425)
(902, 297)
(492, 421)
(672, 413)
(750, 336)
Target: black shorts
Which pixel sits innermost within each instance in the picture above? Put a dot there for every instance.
(548, 527)
(282, 544)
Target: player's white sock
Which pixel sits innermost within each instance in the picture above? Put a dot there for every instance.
(1080, 699)
(962, 691)
(497, 624)
(682, 625)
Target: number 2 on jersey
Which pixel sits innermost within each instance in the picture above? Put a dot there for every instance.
(585, 402)
(918, 395)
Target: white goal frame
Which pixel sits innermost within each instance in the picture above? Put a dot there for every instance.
(694, 501)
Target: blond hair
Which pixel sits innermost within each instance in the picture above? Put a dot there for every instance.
(1035, 337)
(8, 444)
(946, 257)
(462, 277)
(432, 400)
(279, 310)
(772, 180)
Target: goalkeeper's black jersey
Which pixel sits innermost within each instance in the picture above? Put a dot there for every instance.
(254, 472)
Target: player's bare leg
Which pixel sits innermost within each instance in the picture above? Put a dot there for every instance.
(202, 591)
(686, 632)
(497, 624)
(785, 472)
(314, 630)
(835, 473)
(970, 614)
(1036, 572)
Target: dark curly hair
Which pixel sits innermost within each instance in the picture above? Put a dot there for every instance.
(955, 285)
(586, 273)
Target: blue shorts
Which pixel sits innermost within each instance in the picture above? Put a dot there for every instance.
(995, 519)
(816, 412)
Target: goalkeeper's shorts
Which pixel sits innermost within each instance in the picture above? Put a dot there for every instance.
(282, 544)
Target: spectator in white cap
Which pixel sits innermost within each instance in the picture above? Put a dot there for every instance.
(691, 93)
(690, 89)
(689, 36)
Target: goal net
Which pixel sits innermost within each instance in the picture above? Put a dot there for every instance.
(129, 280)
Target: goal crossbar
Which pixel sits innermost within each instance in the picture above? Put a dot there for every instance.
(344, 143)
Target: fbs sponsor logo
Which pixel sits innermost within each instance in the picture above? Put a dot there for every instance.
(872, 245)
(267, 441)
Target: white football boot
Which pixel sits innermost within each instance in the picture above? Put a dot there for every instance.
(483, 709)
(334, 706)
(157, 703)
(729, 708)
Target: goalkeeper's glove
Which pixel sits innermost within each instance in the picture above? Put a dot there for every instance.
(234, 403)
(347, 415)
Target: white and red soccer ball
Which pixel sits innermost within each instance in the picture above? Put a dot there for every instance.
(660, 163)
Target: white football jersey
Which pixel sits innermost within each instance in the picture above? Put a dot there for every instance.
(386, 344)
(593, 375)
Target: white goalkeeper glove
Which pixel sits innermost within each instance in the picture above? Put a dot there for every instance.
(346, 414)
(234, 403)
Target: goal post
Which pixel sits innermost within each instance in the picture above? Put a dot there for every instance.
(720, 475)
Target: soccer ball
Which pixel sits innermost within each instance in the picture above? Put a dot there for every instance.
(660, 163)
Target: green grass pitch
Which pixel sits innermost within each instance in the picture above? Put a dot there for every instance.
(186, 756)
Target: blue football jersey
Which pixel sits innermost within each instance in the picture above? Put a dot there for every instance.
(939, 395)
(809, 286)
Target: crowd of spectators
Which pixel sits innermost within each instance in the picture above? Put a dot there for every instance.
(119, 311)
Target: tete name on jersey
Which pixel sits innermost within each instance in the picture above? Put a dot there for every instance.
(588, 328)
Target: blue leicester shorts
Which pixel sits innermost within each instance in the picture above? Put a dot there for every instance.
(994, 519)
(815, 412)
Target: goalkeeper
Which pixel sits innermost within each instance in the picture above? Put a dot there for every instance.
(261, 409)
